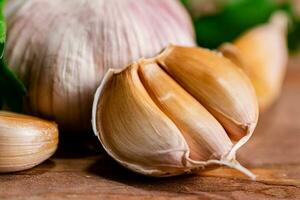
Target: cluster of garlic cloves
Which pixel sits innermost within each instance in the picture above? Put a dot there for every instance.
(175, 113)
(263, 54)
(61, 49)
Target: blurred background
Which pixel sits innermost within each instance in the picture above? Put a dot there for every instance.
(219, 21)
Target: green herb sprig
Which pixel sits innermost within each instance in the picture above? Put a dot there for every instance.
(12, 90)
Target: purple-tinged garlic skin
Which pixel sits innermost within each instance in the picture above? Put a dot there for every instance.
(62, 48)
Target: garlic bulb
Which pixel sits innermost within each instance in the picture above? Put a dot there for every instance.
(263, 54)
(62, 48)
(175, 113)
(25, 141)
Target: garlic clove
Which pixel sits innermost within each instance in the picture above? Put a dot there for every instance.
(223, 89)
(133, 130)
(205, 137)
(25, 141)
(262, 53)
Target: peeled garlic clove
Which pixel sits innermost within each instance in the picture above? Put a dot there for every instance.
(25, 141)
(149, 122)
(218, 84)
(262, 53)
(61, 49)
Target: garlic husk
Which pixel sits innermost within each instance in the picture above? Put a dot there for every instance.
(131, 118)
(25, 141)
(61, 49)
(263, 54)
(215, 82)
(147, 121)
(191, 120)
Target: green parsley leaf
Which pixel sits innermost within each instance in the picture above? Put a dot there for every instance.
(236, 17)
(294, 37)
(11, 88)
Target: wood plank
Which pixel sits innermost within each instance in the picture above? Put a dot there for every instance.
(75, 172)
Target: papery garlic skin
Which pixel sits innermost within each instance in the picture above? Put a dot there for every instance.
(25, 141)
(215, 82)
(263, 54)
(186, 112)
(61, 49)
(151, 123)
(132, 119)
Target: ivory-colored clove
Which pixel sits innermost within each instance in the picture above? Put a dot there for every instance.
(25, 141)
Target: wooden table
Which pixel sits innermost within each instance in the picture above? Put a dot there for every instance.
(273, 153)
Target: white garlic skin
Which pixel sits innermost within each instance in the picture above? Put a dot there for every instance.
(62, 48)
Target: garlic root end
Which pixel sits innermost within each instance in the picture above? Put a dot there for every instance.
(236, 165)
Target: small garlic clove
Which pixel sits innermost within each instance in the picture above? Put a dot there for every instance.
(217, 84)
(262, 53)
(133, 130)
(25, 141)
(204, 135)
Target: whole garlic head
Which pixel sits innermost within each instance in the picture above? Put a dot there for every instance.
(62, 48)
(175, 113)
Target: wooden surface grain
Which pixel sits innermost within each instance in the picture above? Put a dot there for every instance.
(81, 171)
